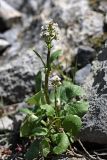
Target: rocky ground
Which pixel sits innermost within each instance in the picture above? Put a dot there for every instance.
(82, 37)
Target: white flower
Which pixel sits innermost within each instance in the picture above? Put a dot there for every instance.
(55, 80)
(49, 31)
(58, 102)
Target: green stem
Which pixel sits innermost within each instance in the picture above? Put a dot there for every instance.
(47, 71)
(55, 99)
(56, 105)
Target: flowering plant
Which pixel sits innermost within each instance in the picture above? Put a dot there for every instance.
(55, 120)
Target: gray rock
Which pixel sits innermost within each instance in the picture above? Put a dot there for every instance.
(1, 36)
(13, 33)
(78, 19)
(6, 123)
(9, 15)
(26, 6)
(17, 77)
(106, 19)
(81, 74)
(95, 121)
(71, 10)
(15, 4)
(85, 55)
(92, 23)
(3, 45)
(103, 6)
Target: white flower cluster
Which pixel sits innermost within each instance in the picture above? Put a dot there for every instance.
(49, 31)
(55, 80)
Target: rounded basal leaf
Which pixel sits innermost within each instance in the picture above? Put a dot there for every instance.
(45, 147)
(77, 90)
(39, 131)
(50, 111)
(62, 142)
(72, 123)
(78, 108)
(33, 151)
(68, 90)
(28, 125)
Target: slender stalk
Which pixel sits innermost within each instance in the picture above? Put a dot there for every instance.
(56, 106)
(58, 124)
(47, 71)
(56, 99)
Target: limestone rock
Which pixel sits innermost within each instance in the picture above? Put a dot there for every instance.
(15, 4)
(95, 121)
(85, 55)
(17, 77)
(81, 74)
(6, 123)
(9, 14)
(29, 7)
(71, 10)
(3, 45)
(92, 23)
(103, 6)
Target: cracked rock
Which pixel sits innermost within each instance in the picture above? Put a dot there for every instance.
(17, 77)
(95, 121)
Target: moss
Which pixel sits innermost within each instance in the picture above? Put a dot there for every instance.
(94, 3)
(97, 41)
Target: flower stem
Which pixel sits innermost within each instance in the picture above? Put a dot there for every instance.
(56, 105)
(47, 72)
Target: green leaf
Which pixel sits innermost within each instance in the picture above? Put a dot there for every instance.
(26, 111)
(40, 58)
(38, 82)
(68, 91)
(53, 137)
(33, 151)
(62, 142)
(55, 55)
(50, 111)
(72, 123)
(78, 108)
(71, 139)
(28, 125)
(77, 90)
(36, 99)
(39, 131)
(45, 147)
